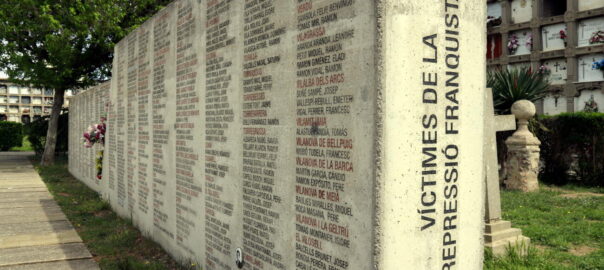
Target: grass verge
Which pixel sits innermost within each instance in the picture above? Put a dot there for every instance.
(565, 224)
(113, 241)
(25, 146)
(566, 227)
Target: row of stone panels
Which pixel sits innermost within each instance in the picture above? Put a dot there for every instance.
(86, 110)
(268, 134)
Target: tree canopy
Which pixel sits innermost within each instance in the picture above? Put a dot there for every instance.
(63, 44)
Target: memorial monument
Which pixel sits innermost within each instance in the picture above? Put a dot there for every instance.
(304, 134)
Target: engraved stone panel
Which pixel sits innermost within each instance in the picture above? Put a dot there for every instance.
(590, 4)
(587, 28)
(557, 71)
(585, 69)
(494, 10)
(554, 104)
(525, 39)
(144, 125)
(522, 11)
(550, 36)
(590, 98)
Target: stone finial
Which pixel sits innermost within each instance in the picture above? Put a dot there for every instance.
(523, 110)
(522, 165)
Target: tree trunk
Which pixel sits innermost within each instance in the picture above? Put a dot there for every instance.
(48, 158)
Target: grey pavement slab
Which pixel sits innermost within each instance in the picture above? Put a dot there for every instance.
(22, 189)
(40, 254)
(84, 264)
(32, 218)
(40, 239)
(34, 232)
(34, 227)
(30, 211)
(30, 204)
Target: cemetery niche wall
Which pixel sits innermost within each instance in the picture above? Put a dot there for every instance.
(564, 40)
(297, 134)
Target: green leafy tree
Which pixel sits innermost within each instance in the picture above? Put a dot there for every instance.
(511, 85)
(65, 44)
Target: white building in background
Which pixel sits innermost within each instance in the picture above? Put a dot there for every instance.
(23, 103)
(540, 27)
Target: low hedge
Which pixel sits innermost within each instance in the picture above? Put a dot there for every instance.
(11, 135)
(572, 148)
(36, 133)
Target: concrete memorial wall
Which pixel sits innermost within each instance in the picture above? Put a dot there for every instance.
(302, 134)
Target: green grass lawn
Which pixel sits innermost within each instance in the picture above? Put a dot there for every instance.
(26, 146)
(566, 227)
(113, 241)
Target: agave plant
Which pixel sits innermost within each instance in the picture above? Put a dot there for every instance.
(511, 85)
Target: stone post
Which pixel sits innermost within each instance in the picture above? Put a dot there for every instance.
(522, 165)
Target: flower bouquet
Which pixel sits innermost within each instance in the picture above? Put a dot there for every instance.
(597, 37)
(545, 70)
(563, 36)
(529, 41)
(513, 44)
(95, 134)
(598, 65)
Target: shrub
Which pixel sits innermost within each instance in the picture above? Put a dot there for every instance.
(511, 85)
(36, 133)
(11, 135)
(572, 148)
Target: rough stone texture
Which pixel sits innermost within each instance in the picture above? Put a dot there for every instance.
(290, 133)
(522, 165)
(34, 232)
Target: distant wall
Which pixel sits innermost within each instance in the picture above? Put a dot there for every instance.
(86, 110)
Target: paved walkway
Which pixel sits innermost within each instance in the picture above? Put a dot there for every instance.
(34, 232)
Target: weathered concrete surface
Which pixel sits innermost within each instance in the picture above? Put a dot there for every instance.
(34, 232)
